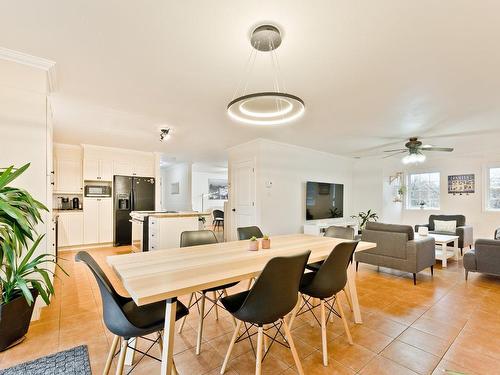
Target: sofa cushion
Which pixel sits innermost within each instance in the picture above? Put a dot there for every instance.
(393, 228)
(460, 219)
(445, 226)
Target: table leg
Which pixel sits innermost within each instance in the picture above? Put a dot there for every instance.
(168, 337)
(351, 282)
(444, 257)
(455, 245)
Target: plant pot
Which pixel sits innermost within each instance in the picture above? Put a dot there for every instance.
(15, 317)
(266, 244)
(253, 246)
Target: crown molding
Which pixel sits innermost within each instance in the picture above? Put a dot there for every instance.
(36, 62)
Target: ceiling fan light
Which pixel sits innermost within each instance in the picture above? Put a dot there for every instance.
(420, 158)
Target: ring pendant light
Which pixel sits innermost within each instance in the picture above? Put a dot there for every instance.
(268, 107)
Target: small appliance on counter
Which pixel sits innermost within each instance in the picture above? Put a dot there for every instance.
(65, 204)
(76, 203)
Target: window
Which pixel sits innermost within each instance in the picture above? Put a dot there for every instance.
(493, 190)
(423, 188)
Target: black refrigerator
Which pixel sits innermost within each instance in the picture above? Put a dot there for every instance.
(130, 194)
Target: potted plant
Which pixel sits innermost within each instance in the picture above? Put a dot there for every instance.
(365, 217)
(23, 274)
(253, 244)
(266, 242)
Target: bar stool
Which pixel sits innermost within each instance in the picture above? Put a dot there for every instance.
(272, 297)
(125, 319)
(197, 238)
(324, 285)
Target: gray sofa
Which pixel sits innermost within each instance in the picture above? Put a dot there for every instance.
(485, 257)
(464, 232)
(397, 249)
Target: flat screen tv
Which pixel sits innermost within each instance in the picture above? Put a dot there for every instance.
(324, 200)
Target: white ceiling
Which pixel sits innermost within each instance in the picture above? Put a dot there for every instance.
(370, 72)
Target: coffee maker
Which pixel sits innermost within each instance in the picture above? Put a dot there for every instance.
(76, 203)
(65, 205)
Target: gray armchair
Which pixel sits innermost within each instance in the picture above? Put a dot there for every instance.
(397, 248)
(485, 257)
(464, 232)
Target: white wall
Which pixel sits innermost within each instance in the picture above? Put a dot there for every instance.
(373, 190)
(200, 187)
(180, 173)
(280, 209)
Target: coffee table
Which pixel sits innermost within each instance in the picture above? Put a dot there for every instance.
(443, 240)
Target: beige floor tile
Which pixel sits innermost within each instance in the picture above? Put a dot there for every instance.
(411, 357)
(384, 366)
(425, 341)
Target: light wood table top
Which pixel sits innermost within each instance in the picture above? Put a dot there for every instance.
(162, 274)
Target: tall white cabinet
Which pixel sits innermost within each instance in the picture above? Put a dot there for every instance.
(98, 220)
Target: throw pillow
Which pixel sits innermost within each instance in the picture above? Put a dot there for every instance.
(445, 226)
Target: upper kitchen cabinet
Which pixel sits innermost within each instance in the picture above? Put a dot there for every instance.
(67, 169)
(97, 169)
(142, 168)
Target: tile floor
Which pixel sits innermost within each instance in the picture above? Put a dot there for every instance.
(441, 324)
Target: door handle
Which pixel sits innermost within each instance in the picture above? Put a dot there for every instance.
(234, 210)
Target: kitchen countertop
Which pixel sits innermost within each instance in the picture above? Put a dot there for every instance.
(179, 214)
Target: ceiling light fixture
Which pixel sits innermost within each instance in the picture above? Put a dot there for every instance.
(413, 158)
(164, 134)
(270, 107)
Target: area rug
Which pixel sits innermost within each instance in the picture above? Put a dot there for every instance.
(69, 362)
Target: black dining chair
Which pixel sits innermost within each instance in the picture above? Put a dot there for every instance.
(125, 319)
(324, 284)
(197, 238)
(272, 297)
(245, 233)
(218, 216)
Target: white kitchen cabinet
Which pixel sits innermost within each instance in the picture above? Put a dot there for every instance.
(70, 229)
(68, 175)
(98, 220)
(97, 169)
(135, 168)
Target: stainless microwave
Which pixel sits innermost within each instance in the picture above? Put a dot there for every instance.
(97, 191)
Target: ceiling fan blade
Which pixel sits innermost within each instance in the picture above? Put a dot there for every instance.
(396, 153)
(398, 150)
(445, 149)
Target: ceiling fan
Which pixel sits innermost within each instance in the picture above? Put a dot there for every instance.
(415, 151)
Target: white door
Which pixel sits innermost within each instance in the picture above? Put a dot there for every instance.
(105, 220)
(243, 191)
(90, 220)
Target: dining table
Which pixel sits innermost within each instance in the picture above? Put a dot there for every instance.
(166, 274)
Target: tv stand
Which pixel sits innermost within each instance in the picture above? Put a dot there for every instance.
(318, 228)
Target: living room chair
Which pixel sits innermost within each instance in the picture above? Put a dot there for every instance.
(245, 233)
(218, 220)
(325, 284)
(272, 297)
(197, 238)
(463, 231)
(397, 248)
(484, 257)
(125, 319)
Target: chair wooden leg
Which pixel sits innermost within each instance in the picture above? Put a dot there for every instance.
(111, 354)
(323, 334)
(295, 355)
(258, 359)
(214, 296)
(121, 357)
(295, 311)
(344, 320)
(200, 324)
(232, 317)
(266, 340)
(250, 281)
(183, 320)
(174, 369)
(160, 342)
(347, 293)
(231, 346)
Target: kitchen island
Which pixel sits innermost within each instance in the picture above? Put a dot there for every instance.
(153, 230)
